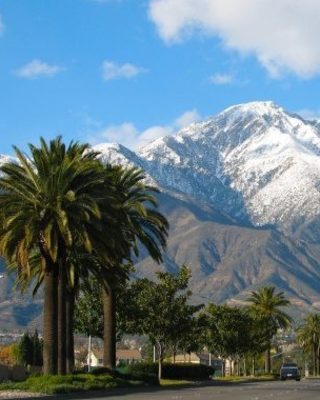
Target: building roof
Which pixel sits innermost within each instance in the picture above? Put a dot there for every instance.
(128, 354)
(121, 354)
(193, 357)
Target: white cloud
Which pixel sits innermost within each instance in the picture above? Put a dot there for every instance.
(2, 26)
(130, 136)
(221, 79)
(309, 114)
(112, 70)
(282, 34)
(187, 118)
(37, 69)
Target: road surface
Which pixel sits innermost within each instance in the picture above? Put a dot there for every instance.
(288, 390)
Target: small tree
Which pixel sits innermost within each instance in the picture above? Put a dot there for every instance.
(28, 350)
(37, 350)
(162, 311)
(89, 309)
(229, 331)
(25, 350)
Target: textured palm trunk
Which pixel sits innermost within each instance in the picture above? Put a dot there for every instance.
(69, 335)
(62, 331)
(50, 327)
(109, 331)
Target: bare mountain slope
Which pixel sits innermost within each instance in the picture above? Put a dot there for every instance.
(228, 260)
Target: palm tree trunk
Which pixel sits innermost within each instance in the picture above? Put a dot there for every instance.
(70, 323)
(62, 331)
(50, 316)
(109, 331)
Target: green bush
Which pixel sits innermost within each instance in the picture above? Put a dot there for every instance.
(70, 383)
(172, 371)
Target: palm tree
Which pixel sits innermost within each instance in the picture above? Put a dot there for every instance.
(309, 338)
(139, 222)
(266, 307)
(48, 203)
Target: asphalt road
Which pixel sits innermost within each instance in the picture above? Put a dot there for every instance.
(289, 390)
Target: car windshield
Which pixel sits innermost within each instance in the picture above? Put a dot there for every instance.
(289, 369)
(289, 365)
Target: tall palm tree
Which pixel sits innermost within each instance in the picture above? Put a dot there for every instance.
(140, 224)
(266, 306)
(309, 338)
(48, 202)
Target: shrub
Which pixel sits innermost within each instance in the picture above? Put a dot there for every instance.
(173, 371)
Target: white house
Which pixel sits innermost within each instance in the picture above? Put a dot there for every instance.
(123, 356)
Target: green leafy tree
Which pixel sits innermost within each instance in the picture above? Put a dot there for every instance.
(25, 350)
(229, 333)
(162, 310)
(267, 307)
(89, 309)
(37, 350)
(29, 350)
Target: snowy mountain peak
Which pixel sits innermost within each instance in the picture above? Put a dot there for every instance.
(252, 160)
(258, 108)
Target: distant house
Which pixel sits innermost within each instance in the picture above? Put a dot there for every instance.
(194, 358)
(123, 356)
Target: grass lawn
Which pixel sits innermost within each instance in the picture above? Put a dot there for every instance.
(69, 383)
(174, 383)
(246, 378)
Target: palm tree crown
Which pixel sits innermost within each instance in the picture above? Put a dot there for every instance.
(266, 304)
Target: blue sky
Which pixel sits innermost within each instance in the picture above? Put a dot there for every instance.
(131, 70)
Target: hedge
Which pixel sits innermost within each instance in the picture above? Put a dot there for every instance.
(172, 371)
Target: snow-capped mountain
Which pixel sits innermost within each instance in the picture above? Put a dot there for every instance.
(254, 160)
(241, 191)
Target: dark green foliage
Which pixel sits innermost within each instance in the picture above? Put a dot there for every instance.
(173, 371)
(88, 317)
(37, 346)
(162, 311)
(29, 350)
(143, 376)
(25, 350)
(89, 308)
(230, 330)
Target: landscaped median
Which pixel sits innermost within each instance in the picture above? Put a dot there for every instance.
(139, 375)
(243, 379)
(70, 383)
